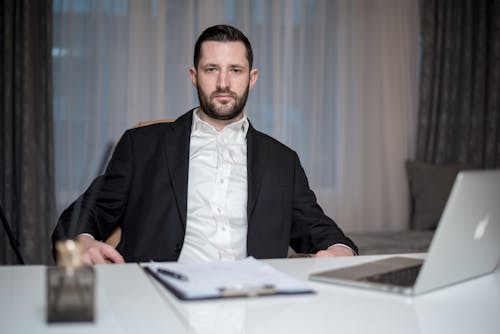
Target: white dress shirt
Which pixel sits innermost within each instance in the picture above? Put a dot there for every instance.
(216, 227)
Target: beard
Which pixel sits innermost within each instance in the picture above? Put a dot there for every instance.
(226, 111)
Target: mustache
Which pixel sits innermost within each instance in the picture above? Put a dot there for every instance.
(223, 91)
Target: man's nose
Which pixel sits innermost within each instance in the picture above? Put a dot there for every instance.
(223, 81)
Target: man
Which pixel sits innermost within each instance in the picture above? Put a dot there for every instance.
(207, 186)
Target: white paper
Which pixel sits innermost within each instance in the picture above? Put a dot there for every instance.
(205, 280)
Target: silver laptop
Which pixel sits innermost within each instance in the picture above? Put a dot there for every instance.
(466, 244)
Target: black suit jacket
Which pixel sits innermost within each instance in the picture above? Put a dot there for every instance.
(144, 190)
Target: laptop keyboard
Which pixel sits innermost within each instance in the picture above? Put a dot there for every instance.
(402, 277)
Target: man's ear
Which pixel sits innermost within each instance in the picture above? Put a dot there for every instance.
(254, 74)
(192, 74)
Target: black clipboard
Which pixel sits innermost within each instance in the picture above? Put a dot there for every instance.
(235, 279)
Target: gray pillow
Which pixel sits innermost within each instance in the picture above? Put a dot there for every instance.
(430, 186)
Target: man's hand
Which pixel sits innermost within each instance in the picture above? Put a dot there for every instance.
(97, 252)
(335, 250)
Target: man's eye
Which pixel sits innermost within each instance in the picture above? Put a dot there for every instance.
(211, 69)
(236, 70)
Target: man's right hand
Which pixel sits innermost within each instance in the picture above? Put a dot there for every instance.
(98, 252)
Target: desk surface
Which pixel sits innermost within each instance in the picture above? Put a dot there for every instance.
(129, 301)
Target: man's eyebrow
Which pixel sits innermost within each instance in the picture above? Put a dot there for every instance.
(209, 65)
(217, 65)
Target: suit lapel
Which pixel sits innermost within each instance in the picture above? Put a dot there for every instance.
(255, 167)
(177, 155)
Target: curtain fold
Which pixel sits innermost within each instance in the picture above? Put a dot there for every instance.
(459, 113)
(27, 166)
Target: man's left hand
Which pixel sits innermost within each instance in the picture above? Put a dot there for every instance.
(335, 251)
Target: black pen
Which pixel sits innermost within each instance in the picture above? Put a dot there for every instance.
(172, 274)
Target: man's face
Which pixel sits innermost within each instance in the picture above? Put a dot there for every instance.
(223, 79)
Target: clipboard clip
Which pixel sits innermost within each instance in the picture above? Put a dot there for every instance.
(248, 291)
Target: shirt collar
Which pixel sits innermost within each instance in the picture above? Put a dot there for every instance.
(200, 125)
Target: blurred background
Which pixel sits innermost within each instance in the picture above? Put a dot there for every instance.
(356, 87)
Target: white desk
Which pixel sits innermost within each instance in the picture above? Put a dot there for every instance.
(129, 301)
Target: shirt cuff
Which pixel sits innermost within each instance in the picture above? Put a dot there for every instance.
(90, 235)
(345, 246)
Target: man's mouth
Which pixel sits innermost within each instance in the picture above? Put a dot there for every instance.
(224, 96)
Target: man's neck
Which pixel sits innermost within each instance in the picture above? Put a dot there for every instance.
(218, 124)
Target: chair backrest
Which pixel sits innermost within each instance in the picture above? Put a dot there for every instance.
(116, 235)
(145, 123)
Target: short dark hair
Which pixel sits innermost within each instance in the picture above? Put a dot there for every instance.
(222, 33)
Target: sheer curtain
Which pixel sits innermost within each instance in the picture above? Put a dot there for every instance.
(338, 83)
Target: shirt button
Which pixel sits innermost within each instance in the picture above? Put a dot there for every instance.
(221, 181)
(219, 210)
(224, 228)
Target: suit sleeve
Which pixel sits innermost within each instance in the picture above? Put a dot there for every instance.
(99, 209)
(312, 230)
